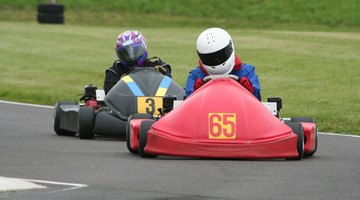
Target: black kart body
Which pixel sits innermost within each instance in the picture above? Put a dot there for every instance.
(137, 92)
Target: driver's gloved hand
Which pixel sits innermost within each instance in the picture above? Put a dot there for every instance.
(161, 69)
(245, 82)
(198, 83)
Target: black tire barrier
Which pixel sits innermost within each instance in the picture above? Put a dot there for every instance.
(51, 8)
(50, 18)
(51, 13)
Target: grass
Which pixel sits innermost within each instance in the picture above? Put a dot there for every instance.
(244, 14)
(317, 74)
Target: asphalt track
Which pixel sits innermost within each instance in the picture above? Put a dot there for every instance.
(102, 168)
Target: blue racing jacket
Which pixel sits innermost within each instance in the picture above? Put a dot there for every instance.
(240, 70)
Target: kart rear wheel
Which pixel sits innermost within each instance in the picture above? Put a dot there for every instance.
(297, 128)
(86, 122)
(143, 132)
(131, 117)
(311, 120)
(57, 113)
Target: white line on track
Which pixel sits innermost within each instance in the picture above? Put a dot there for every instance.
(13, 184)
(42, 106)
(73, 186)
(25, 104)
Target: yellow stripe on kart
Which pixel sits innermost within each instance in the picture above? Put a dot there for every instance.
(164, 86)
(127, 79)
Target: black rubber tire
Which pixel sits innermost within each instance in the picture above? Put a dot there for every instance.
(51, 8)
(86, 122)
(143, 131)
(50, 18)
(57, 128)
(134, 116)
(297, 128)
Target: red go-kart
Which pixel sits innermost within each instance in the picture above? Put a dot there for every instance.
(223, 120)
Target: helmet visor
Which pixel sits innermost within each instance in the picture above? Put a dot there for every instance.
(218, 57)
(130, 53)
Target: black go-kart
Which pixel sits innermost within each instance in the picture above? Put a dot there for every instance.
(141, 91)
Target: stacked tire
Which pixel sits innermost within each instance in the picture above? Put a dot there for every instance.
(51, 13)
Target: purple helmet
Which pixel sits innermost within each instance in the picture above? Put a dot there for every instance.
(131, 48)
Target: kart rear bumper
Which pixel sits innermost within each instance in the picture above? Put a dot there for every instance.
(310, 133)
(68, 116)
(106, 123)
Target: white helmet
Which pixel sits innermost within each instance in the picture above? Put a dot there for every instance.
(216, 51)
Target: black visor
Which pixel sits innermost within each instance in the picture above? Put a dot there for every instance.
(130, 53)
(218, 57)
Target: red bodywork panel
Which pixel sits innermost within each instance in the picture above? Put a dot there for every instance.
(222, 120)
(310, 135)
(134, 133)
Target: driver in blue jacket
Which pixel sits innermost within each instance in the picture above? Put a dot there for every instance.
(216, 51)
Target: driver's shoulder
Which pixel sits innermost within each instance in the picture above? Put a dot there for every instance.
(246, 66)
(197, 72)
(153, 61)
(116, 68)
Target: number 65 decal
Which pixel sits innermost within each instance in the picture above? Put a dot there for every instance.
(222, 125)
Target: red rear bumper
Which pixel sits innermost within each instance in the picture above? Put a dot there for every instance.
(283, 147)
(310, 134)
(134, 133)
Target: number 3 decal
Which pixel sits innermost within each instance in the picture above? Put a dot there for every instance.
(150, 109)
(222, 125)
(149, 105)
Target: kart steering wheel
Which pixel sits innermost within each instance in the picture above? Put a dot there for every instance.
(211, 77)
